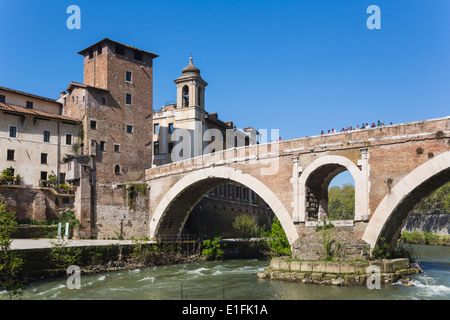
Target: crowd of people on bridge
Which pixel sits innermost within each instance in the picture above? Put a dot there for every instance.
(358, 127)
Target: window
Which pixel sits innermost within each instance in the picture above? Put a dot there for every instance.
(120, 50)
(156, 147)
(222, 190)
(62, 178)
(46, 136)
(170, 127)
(230, 191)
(170, 147)
(93, 124)
(117, 170)
(65, 102)
(13, 131)
(129, 129)
(128, 99)
(2, 98)
(116, 148)
(10, 155)
(43, 175)
(245, 193)
(137, 55)
(91, 54)
(128, 76)
(103, 100)
(66, 200)
(156, 128)
(102, 145)
(238, 192)
(99, 50)
(43, 158)
(68, 139)
(185, 97)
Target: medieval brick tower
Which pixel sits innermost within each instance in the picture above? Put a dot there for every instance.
(114, 106)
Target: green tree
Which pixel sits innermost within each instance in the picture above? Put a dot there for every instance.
(278, 241)
(11, 262)
(212, 248)
(341, 202)
(439, 200)
(246, 227)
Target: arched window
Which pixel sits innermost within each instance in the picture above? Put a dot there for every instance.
(185, 96)
(117, 170)
(199, 97)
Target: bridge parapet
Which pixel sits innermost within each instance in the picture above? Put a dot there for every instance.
(356, 139)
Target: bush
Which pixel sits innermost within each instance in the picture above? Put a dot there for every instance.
(212, 248)
(11, 262)
(278, 242)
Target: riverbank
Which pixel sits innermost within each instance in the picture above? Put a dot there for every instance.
(424, 238)
(50, 258)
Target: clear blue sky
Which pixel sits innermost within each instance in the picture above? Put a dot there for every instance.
(297, 66)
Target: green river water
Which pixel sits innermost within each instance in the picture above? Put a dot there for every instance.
(237, 280)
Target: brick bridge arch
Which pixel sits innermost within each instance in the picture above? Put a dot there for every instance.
(174, 208)
(391, 214)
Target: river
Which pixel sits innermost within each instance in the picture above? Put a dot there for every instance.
(237, 280)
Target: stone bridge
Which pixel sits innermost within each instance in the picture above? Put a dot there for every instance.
(393, 168)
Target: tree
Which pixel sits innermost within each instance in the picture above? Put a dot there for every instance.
(278, 241)
(246, 227)
(439, 200)
(11, 262)
(341, 202)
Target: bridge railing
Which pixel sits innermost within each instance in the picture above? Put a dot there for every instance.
(177, 238)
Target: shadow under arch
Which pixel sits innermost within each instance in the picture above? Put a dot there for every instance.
(173, 210)
(317, 177)
(392, 213)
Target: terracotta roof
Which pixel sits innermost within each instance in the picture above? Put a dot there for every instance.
(115, 42)
(29, 95)
(7, 107)
(82, 85)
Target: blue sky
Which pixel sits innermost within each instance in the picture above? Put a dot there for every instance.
(297, 66)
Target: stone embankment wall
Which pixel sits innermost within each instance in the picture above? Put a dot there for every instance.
(336, 273)
(437, 223)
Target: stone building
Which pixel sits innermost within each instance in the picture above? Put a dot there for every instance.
(35, 137)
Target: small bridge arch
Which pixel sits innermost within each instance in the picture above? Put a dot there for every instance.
(318, 175)
(172, 211)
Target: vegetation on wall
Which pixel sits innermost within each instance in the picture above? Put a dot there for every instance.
(11, 262)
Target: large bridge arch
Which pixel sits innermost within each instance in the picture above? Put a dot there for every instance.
(173, 210)
(319, 174)
(391, 214)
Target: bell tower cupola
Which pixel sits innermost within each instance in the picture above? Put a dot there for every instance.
(190, 87)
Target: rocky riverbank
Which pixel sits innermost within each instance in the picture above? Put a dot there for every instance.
(337, 273)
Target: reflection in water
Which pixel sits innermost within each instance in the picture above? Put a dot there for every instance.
(236, 279)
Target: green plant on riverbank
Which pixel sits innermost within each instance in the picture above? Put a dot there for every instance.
(278, 241)
(212, 249)
(11, 262)
(62, 256)
(331, 248)
(426, 238)
(379, 251)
